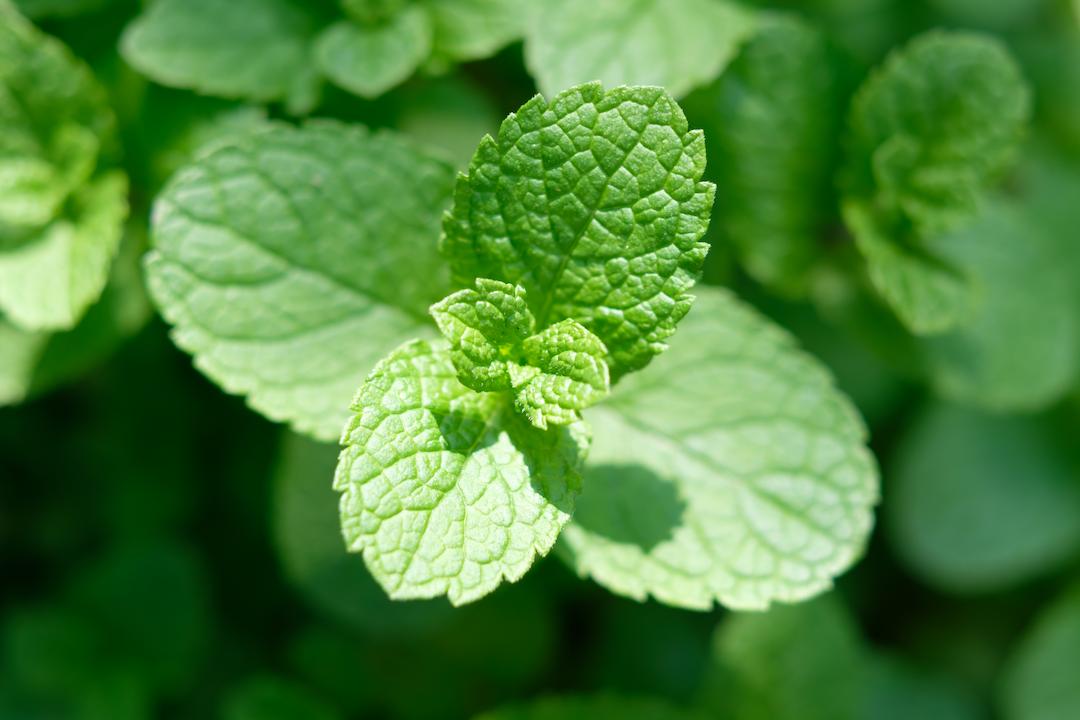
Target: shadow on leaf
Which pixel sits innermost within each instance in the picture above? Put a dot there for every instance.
(629, 504)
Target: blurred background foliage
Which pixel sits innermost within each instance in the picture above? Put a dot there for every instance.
(164, 552)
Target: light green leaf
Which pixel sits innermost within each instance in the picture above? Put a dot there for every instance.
(251, 49)
(484, 327)
(373, 11)
(731, 471)
(370, 59)
(476, 29)
(291, 260)
(803, 662)
(48, 282)
(554, 374)
(266, 697)
(446, 490)
(563, 373)
(313, 554)
(60, 221)
(771, 125)
(981, 503)
(929, 131)
(1040, 679)
(592, 707)
(594, 204)
(676, 44)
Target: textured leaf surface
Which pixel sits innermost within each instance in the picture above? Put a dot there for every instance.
(676, 44)
(1040, 679)
(594, 204)
(564, 373)
(929, 131)
(731, 471)
(802, 662)
(60, 224)
(253, 49)
(446, 490)
(771, 125)
(370, 59)
(982, 503)
(291, 260)
(474, 29)
(592, 707)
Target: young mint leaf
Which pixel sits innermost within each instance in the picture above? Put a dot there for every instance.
(60, 219)
(593, 203)
(591, 707)
(929, 131)
(563, 373)
(981, 503)
(676, 44)
(732, 471)
(369, 59)
(485, 327)
(553, 374)
(251, 49)
(475, 29)
(771, 123)
(1040, 679)
(801, 662)
(290, 260)
(447, 491)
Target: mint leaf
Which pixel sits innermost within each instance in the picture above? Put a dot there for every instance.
(485, 328)
(1040, 679)
(588, 707)
(313, 555)
(446, 490)
(981, 503)
(900, 690)
(449, 113)
(60, 219)
(369, 59)
(475, 29)
(290, 260)
(732, 471)
(554, 374)
(563, 373)
(251, 49)
(676, 44)
(928, 132)
(1024, 335)
(803, 662)
(771, 123)
(593, 203)
(19, 353)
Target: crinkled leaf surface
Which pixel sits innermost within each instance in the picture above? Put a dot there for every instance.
(981, 503)
(447, 491)
(592, 202)
(291, 260)
(252, 49)
(592, 707)
(60, 225)
(676, 44)
(771, 124)
(564, 373)
(1040, 679)
(370, 59)
(731, 471)
(929, 131)
(474, 29)
(801, 662)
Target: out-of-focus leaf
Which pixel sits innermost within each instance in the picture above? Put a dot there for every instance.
(273, 698)
(591, 707)
(370, 59)
(979, 503)
(1040, 681)
(898, 690)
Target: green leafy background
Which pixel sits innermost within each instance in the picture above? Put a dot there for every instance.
(250, 195)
